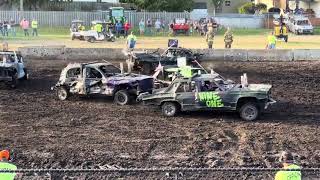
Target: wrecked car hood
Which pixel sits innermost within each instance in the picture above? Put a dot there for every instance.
(259, 87)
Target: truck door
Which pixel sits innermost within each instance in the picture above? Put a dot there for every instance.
(92, 81)
(185, 95)
(210, 96)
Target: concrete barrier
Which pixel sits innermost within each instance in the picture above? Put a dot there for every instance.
(306, 54)
(270, 55)
(47, 52)
(91, 54)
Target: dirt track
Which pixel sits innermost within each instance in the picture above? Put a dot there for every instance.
(86, 132)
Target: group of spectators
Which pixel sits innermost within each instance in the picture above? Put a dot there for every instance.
(149, 27)
(8, 27)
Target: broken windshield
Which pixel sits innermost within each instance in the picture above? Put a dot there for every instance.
(109, 69)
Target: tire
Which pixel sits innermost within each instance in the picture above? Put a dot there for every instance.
(286, 39)
(14, 83)
(169, 109)
(249, 111)
(113, 39)
(91, 39)
(122, 98)
(73, 37)
(26, 75)
(62, 93)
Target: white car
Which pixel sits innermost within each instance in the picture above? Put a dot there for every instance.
(12, 68)
(300, 25)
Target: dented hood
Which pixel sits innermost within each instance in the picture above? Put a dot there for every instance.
(259, 87)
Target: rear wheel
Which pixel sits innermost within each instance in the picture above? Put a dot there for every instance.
(91, 39)
(169, 109)
(249, 111)
(62, 93)
(122, 98)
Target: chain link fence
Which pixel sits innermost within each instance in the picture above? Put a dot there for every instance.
(166, 174)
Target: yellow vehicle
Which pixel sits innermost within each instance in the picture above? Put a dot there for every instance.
(281, 32)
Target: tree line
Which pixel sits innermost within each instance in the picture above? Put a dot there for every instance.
(148, 5)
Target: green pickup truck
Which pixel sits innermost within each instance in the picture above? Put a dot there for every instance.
(211, 92)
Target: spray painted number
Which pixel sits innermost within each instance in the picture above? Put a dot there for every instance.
(211, 99)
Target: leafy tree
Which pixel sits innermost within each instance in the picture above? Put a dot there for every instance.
(247, 8)
(216, 4)
(30, 4)
(162, 5)
(261, 7)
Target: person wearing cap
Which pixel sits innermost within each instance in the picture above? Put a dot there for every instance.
(5, 165)
(287, 161)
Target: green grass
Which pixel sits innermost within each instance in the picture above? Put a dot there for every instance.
(45, 33)
(59, 33)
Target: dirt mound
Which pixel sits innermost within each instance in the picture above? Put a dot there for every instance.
(92, 132)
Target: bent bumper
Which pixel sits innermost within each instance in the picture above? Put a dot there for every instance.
(269, 103)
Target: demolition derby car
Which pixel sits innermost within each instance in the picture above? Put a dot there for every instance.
(101, 78)
(147, 62)
(12, 68)
(211, 92)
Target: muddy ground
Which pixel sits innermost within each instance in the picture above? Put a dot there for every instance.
(92, 132)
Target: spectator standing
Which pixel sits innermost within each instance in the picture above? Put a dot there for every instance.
(6, 165)
(1, 28)
(228, 38)
(272, 40)
(5, 28)
(118, 28)
(210, 38)
(149, 26)
(171, 33)
(34, 26)
(25, 26)
(13, 27)
(157, 25)
(127, 27)
(131, 41)
(142, 27)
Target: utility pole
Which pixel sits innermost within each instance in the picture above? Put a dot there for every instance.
(21, 5)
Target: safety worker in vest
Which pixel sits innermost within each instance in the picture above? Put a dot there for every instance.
(272, 40)
(34, 26)
(98, 27)
(81, 27)
(210, 38)
(131, 40)
(5, 165)
(287, 161)
(228, 38)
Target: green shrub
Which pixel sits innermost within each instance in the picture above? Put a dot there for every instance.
(247, 8)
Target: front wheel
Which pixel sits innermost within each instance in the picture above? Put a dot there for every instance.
(113, 39)
(169, 109)
(62, 93)
(249, 112)
(91, 39)
(122, 98)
